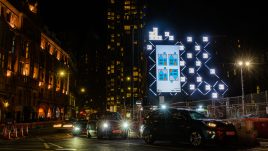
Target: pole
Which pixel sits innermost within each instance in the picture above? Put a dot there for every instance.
(243, 95)
(132, 78)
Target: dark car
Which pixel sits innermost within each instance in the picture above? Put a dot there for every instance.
(111, 124)
(185, 125)
(79, 127)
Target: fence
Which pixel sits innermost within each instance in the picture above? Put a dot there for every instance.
(231, 107)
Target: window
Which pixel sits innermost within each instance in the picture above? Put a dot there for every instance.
(126, 27)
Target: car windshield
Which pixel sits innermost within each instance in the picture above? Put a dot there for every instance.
(196, 116)
(111, 116)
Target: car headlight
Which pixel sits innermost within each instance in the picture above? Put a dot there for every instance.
(76, 128)
(210, 124)
(105, 125)
(125, 125)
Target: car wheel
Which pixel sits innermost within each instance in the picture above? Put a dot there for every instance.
(148, 137)
(195, 138)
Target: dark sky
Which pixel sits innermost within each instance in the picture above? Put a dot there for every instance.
(244, 18)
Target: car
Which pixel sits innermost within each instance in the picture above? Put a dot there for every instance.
(63, 125)
(79, 127)
(185, 125)
(111, 124)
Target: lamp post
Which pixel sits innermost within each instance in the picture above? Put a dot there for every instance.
(63, 73)
(243, 64)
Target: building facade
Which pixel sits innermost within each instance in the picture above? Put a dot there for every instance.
(35, 73)
(125, 71)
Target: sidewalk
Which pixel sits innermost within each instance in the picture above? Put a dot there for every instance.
(263, 142)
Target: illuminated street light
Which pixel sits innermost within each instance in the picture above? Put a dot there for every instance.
(243, 64)
(128, 78)
(62, 73)
(82, 90)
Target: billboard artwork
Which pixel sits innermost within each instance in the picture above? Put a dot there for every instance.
(167, 68)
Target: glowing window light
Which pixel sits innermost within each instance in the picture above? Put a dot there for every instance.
(205, 55)
(171, 37)
(149, 47)
(166, 34)
(198, 63)
(189, 55)
(189, 39)
(207, 87)
(214, 95)
(182, 63)
(197, 48)
(181, 47)
(183, 79)
(212, 71)
(221, 86)
(155, 30)
(191, 70)
(205, 39)
(192, 86)
(199, 79)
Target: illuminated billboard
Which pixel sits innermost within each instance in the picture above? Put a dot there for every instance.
(168, 68)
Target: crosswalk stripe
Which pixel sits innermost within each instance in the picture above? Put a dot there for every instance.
(55, 145)
(46, 145)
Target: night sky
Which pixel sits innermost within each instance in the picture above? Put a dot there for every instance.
(235, 19)
(218, 17)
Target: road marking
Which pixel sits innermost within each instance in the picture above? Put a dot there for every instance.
(65, 149)
(55, 145)
(46, 145)
(41, 139)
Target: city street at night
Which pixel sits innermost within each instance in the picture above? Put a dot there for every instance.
(65, 141)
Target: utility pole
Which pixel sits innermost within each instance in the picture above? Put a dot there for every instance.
(132, 69)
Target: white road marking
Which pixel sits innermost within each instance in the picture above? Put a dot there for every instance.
(46, 145)
(65, 149)
(41, 139)
(55, 145)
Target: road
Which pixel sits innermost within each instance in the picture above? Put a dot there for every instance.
(65, 141)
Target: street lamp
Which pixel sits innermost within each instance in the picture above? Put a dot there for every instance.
(243, 64)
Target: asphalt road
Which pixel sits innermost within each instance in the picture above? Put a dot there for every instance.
(65, 141)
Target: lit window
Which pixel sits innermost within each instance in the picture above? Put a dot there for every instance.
(207, 87)
(199, 79)
(189, 39)
(192, 86)
(189, 55)
(183, 79)
(197, 48)
(171, 37)
(191, 70)
(149, 47)
(205, 55)
(205, 39)
(212, 71)
(214, 95)
(181, 47)
(126, 27)
(166, 34)
(182, 63)
(198, 63)
(221, 86)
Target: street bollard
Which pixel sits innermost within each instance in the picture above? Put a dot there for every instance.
(21, 130)
(16, 132)
(9, 135)
(27, 129)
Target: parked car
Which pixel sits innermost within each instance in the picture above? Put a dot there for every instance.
(185, 125)
(79, 127)
(111, 124)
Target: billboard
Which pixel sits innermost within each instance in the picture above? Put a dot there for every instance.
(168, 68)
